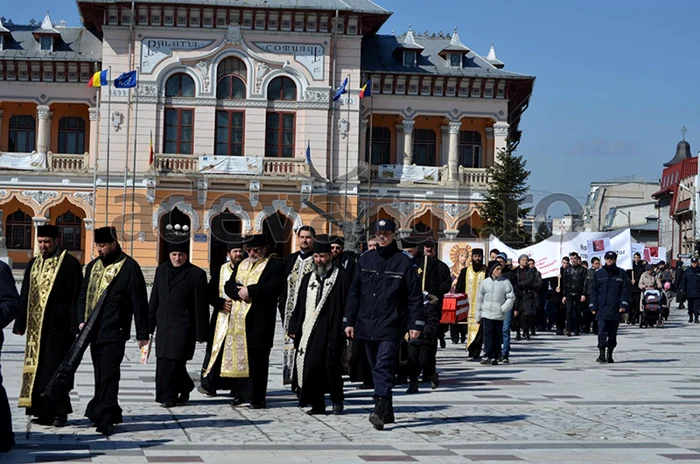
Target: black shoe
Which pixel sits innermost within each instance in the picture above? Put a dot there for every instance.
(486, 361)
(168, 404)
(610, 359)
(697, 321)
(532, 332)
(257, 405)
(237, 401)
(412, 388)
(389, 412)
(690, 319)
(500, 357)
(495, 362)
(317, 411)
(435, 382)
(183, 398)
(338, 408)
(442, 343)
(527, 336)
(601, 357)
(366, 386)
(60, 421)
(454, 342)
(463, 340)
(377, 416)
(505, 360)
(106, 429)
(206, 392)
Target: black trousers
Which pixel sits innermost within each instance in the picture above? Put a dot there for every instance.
(573, 312)
(493, 337)
(103, 408)
(458, 332)
(421, 357)
(259, 365)
(383, 359)
(636, 307)
(694, 307)
(526, 322)
(7, 437)
(172, 380)
(607, 334)
(561, 317)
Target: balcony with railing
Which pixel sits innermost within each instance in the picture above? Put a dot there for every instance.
(423, 176)
(44, 163)
(272, 168)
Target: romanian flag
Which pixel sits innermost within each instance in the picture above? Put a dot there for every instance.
(366, 90)
(150, 160)
(98, 79)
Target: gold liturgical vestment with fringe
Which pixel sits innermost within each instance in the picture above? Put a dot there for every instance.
(42, 277)
(100, 278)
(473, 279)
(230, 335)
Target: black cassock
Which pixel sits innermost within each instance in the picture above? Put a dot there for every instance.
(125, 299)
(323, 370)
(58, 331)
(180, 311)
(260, 322)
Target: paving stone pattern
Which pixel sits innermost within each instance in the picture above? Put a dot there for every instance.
(553, 403)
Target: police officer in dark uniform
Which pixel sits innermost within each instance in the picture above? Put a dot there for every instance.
(383, 302)
(610, 297)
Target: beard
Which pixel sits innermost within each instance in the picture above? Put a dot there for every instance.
(321, 270)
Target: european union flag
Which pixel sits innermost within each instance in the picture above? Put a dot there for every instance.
(341, 90)
(308, 153)
(126, 80)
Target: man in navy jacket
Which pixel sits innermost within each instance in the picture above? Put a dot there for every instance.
(384, 301)
(610, 297)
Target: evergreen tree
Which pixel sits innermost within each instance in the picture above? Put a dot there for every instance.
(503, 211)
(542, 233)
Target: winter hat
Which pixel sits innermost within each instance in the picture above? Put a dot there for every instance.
(502, 255)
(523, 256)
(492, 265)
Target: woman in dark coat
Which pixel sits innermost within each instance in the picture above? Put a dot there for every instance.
(179, 309)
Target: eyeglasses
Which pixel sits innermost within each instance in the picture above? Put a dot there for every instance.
(256, 250)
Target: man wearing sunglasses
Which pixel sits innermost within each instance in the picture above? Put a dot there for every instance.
(610, 297)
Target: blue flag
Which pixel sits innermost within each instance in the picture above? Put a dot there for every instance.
(126, 80)
(308, 153)
(341, 90)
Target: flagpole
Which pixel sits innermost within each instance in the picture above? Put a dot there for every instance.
(109, 134)
(128, 121)
(133, 168)
(347, 155)
(333, 122)
(94, 168)
(369, 171)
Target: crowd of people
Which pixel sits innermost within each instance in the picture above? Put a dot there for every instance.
(374, 317)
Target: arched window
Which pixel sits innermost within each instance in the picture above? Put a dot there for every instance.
(18, 231)
(424, 147)
(381, 145)
(282, 88)
(71, 135)
(22, 134)
(179, 85)
(470, 149)
(230, 79)
(70, 229)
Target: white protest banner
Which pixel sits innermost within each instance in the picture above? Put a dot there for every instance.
(23, 161)
(653, 255)
(231, 164)
(548, 254)
(420, 174)
(637, 248)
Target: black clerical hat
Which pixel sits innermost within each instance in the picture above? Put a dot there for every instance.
(322, 244)
(181, 247)
(234, 243)
(257, 240)
(47, 230)
(105, 235)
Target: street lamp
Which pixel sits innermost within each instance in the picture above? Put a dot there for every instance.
(629, 218)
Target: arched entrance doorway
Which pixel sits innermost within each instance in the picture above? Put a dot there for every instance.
(427, 225)
(174, 233)
(469, 228)
(224, 227)
(278, 230)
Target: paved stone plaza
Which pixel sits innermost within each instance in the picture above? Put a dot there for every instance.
(552, 404)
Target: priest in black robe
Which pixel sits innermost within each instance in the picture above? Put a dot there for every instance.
(113, 293)
(211, 380)
(9, 308)
(49, 298)
(248, 331)
(179, 311)
(317, 329)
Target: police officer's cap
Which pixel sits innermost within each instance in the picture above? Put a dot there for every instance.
(386, 225)
(610, 255)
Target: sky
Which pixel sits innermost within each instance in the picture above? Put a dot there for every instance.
(616, 80)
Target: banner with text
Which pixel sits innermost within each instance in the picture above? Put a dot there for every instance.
(23, 161)
(231, 164)
(548, 254)
(421, 174)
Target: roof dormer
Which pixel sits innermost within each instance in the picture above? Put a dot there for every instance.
(409, 49)
(5, 36)
(46, 35)
(491, 58)
(454, 51)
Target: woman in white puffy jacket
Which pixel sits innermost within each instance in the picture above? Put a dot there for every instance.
(493, 301)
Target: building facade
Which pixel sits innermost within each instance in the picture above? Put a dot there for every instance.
(233, 128)
(677, 203)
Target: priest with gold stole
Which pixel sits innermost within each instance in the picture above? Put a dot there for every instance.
(113, 293)
(221, 302)
(468, 282)
(245, 334)
(49, 300)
